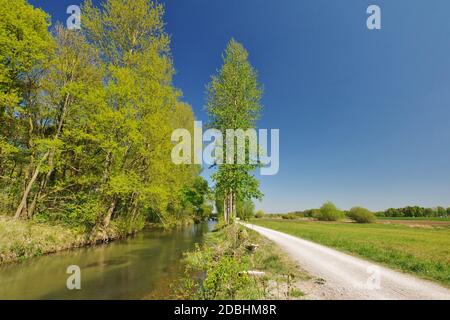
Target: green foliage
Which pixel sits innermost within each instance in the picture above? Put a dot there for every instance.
(361, 215)
(25, 50)
(233, 102)
(289, 216)
(329, 212)
(86, 118)
(195, 199)
(222, 264)
(415, 211)
(260, 214)
(245, 209)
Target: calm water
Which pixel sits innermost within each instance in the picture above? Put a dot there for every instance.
(141, 267)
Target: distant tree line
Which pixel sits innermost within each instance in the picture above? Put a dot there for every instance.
(415, 211)
(410, 211)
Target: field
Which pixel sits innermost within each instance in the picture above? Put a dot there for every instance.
(423, 251)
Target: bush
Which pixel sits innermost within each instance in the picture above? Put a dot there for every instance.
(245, 209)
(289, 216)
(361, 215)
(259, 214)
(329, 212)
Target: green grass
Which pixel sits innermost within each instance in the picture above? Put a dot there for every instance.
(421, 251)
(25, 239)
(223, 260)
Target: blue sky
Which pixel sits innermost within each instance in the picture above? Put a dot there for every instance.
(363, 115)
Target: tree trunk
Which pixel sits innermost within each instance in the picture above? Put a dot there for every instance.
(108, 216)
(234, 206)
(26, 193)
(231, 207)
(225, 208)
(57, 134)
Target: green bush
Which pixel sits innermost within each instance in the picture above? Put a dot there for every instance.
(361, 215)
(289, 216)
(245, 209)
(329, 212)
(259, 214)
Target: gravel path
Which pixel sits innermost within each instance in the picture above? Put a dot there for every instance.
(342, 276)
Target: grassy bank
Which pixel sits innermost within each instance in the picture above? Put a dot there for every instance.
(22, 239)
(222, 268)
(421, 251)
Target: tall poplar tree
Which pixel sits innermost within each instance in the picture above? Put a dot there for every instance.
(233, 102)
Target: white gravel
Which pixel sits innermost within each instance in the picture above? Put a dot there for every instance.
(343, 276)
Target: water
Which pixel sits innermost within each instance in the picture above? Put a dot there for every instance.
(141, 267)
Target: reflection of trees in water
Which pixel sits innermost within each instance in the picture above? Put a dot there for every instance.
(142, 266)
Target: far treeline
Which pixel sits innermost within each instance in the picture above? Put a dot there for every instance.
(407, 212)
(86, 118)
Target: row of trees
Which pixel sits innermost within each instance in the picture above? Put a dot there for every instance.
(329, 207)
(86, 118)
(415, 211)
(329, 212)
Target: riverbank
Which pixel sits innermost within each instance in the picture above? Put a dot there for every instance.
(20, 240)
(24, 239)
(237, 263)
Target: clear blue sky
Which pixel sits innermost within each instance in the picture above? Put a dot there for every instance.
(363, 115)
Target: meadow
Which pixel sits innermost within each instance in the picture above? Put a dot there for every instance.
(423, 251)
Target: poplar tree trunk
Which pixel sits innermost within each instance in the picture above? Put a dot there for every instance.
(225, 209)
(234, 206)
(231, 207)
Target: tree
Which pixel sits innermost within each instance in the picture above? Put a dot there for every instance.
(26, 48)
(361, 215)
(329, 212)
(441, 211)
(245, 209)
(141, 108)
(196, 195)
(260, 214)
(233, 102)
(86, 118)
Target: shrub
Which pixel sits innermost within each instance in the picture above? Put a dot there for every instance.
(259, 214)
(329, 212)
(245, 209)
(289, 216)
(361, 215)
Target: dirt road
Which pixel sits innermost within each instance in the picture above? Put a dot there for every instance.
(342, 276)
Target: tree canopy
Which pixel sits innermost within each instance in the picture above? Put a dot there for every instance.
(87, 115)
(233, 102)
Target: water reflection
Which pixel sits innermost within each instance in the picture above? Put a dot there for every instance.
(138, 267)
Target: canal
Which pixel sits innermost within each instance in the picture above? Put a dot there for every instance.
(141, 267)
